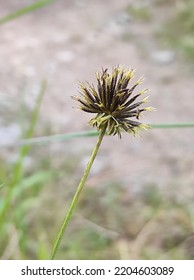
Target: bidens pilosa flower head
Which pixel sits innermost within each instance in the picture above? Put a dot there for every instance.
(113, 101)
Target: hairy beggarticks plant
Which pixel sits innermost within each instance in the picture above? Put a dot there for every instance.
(115, 107)
(113, 101)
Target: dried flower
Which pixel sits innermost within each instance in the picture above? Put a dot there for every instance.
(114, 106)
(113, 103)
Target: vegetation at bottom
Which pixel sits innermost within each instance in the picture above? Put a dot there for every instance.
(109, 223)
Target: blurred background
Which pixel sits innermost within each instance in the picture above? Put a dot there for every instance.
(138, 200)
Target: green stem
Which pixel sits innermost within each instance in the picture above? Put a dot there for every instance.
(77, 194)
(172, 125)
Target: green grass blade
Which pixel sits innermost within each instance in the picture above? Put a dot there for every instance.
(18, 168)
(25, 148)
(172, 125)
(32, 182)
(83, 134)
(21, 12)
(59, 137)
(22, 108)
(91, 133)
(35, 113)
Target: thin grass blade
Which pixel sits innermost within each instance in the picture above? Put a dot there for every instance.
(21, 12)
(18, 168)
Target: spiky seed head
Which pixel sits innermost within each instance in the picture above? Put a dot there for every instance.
(113, 102)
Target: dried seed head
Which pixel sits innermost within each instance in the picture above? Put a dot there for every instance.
(113, 102)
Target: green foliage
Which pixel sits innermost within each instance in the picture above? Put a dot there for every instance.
(139, 13)
(17, 172)
(179, 30)
(18, 191)
(95, 245)
(152, 225)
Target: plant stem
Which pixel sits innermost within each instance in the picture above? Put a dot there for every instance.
(77, 194)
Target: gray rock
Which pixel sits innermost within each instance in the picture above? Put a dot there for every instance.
(163, 57)
(9, 135)
(65, 56)
(122, 18)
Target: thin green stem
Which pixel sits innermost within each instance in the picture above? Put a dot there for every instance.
(77, 194)
(91, 133)
(23, 11)
(172, 125)
(17, 171)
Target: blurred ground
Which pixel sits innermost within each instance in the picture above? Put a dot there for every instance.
(68, 42)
